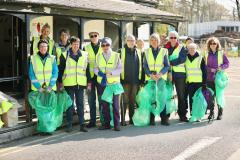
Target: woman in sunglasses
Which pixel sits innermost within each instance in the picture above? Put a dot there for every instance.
(177, 57)
(215, 60)
(108, 68)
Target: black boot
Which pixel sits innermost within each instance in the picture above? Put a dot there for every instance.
(105, 127)
(211, 116)
(220, 112)
(152, 120)
(183, 119)
(83, 128)
(91, 125)
(165, 121)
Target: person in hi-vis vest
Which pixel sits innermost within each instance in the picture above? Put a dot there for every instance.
(196, 72)
(93, 49)
(131, 77)
(43, 71)
(108, 68)
(156, 66)
(215, 60)
(177, 55)
(74, 76)
(45, 32)
(63, 45)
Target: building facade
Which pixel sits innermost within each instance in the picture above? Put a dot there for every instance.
(20, 21)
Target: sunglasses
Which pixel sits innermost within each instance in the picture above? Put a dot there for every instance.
(213, 43)
(105, 45)
(93, 36)
(43, 46)
(173, 37)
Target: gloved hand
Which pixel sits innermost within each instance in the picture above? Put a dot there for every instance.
(101, 74)
(204, 87)
(40, 90)
(49, 89)
(61, 87)
(89, 87)
(104, 81)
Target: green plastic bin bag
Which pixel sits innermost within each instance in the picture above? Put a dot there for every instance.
(199, 106)
(109, 91)
(170, 104)
(64, 101)
(151, 98)
(159, 98)
(45, 104)
(49, 108)
(141, 117)
(221, 82)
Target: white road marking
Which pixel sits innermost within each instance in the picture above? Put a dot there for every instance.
(235, 155)
(197, 147)
(233, 79)
(25, 146)
(31, 142)
(233, 96)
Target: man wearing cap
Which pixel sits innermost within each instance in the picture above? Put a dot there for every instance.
(130, 77)
(108, 68)
(177, 57)
(92, 49)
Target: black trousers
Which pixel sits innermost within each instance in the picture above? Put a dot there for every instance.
(191, 89)
(181, 87)
(211, 84)
(163, 115)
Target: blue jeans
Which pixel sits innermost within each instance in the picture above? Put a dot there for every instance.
(92, 103)
(76, 93)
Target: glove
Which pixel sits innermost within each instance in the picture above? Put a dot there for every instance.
(89, 87)
(204, 87)
(60, 87)
(101, 74)
(40, 90)
(49, 89)
(104, 81)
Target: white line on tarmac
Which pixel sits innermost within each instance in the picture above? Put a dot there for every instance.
(233, 79)
(24, 146)
(235, 155)
(197, 147)
(31, 142)
(232, 96)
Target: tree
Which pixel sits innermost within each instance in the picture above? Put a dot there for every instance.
(238, 9)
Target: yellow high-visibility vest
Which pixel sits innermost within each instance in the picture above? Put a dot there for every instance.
(175, 55)
(193, 70)
(110, 65)
(219, 56)
(155, 65)
(92, 57)
(75, 72)
(123, 55)
(35, 45)
(43, 72)
(61, 51)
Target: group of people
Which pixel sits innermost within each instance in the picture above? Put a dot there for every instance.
(118, 76)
